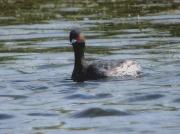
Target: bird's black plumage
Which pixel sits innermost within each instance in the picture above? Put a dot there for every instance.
(84, 70)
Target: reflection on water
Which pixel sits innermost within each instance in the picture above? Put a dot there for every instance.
(36, 61)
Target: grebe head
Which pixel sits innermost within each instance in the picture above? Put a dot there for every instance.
(73, 35)
(77, 40)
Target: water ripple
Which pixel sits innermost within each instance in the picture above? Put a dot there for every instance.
(98, 112)
(15, 97)
(146, 97)
(5, 116)
(83, 96)
(177, 100)
(42, 114)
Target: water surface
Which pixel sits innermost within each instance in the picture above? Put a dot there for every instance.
(36, 61)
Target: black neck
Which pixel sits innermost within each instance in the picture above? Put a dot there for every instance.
(79, 65)
(79, 60)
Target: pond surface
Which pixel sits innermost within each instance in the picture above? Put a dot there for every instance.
(36, 61)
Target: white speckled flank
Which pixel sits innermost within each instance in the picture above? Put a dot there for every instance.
(127, 68)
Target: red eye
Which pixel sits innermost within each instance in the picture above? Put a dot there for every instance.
(78, 38)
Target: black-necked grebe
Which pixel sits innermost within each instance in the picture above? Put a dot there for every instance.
(84, 71)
